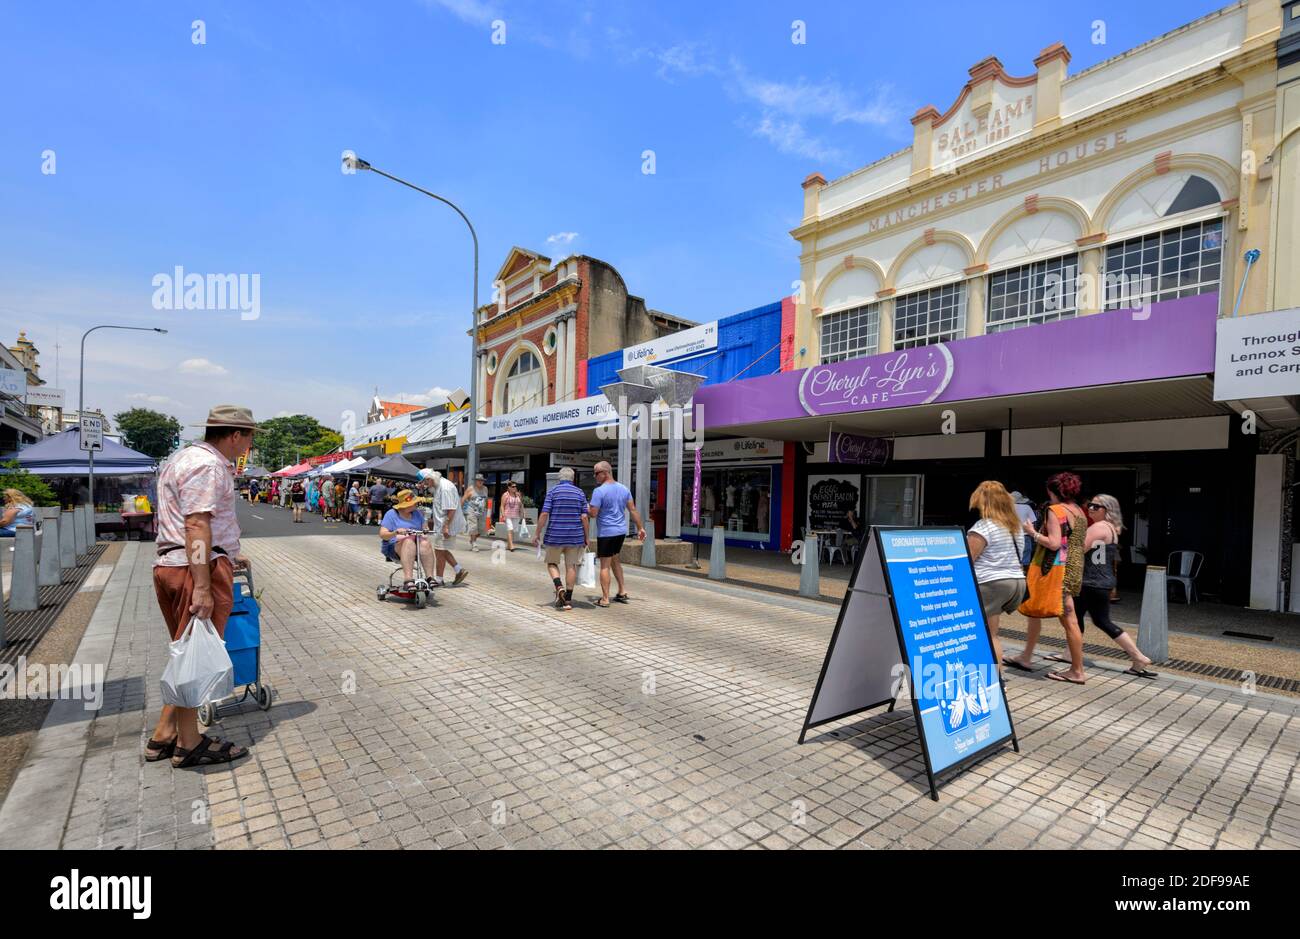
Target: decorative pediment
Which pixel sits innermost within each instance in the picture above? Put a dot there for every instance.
(518, 259)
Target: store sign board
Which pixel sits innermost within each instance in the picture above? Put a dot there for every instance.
(911, 625)
(1176, 338)
(673, 347)
(1257, 356)
(40, 397)
(13, 381)
(858, 450)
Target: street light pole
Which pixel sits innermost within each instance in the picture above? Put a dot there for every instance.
(81, 404)
(471, 458)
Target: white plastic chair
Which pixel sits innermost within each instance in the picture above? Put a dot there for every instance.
(1183, 568)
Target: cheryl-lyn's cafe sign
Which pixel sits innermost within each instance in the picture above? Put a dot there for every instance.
(909, 377)
(1257, 356)
(1052, 162)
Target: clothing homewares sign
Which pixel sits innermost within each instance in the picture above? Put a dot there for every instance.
(912, 614)
(1257, 356)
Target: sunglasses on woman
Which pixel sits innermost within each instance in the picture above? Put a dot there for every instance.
(1097, 505)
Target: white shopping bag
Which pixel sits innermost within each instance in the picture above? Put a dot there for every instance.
(587, 570)
(199, 669)
(523, 529)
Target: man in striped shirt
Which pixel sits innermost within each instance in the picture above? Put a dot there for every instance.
(562, 531)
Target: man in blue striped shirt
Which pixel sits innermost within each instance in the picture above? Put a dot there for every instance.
(562, 530)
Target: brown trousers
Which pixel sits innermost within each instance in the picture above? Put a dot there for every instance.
(174, 587)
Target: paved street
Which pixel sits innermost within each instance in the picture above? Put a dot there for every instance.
(493, 720)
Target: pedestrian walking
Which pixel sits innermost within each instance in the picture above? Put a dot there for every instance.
(193, 573)
(298, 495)
(1101, 545)
(18, 510)
(1025, 512)
(611, 503)
(354, 502)
(474, 507)
(562, 532)
(327, 498)
(994, 543)
(1056, 576)
(445, 522)
(378, 496)
(512, 510)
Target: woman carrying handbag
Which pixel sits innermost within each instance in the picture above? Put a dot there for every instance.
(1055, 576)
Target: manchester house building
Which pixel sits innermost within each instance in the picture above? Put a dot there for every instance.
(1039, 283)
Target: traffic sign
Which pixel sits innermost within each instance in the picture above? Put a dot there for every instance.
(92, 433)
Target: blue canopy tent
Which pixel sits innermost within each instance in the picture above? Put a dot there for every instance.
(61, 455)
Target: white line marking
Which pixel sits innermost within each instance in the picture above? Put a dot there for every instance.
(258, 517)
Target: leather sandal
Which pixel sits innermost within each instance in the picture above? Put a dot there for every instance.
(203, 755)
(155, 750)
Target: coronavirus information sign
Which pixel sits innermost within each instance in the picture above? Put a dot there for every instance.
(911, 625)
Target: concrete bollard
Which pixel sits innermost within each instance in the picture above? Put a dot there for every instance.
(1153, 622)
(810, 572)
(648, 546)
(67, 540)
(4, 553)
(90, 527)
(79, 529)
(718, 554)
(23, 592)
(49, 573)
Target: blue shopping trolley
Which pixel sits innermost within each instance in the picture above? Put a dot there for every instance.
(244, 643)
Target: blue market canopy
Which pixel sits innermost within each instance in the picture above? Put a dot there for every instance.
(61, 455)
(396, 466)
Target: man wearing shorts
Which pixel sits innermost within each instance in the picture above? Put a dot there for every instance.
(562, 531)
(378, 493)
(610, 505)
(444, 523)
(193, 573)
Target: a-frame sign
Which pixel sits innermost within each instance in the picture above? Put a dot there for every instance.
(911, 624)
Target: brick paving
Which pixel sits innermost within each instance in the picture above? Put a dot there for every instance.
(493, 720)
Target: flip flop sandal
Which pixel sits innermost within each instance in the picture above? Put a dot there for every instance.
(1141, 673)
(203, 755)
(602, 603)
(1057, 657)
(1012, 663)
(156, 751)
(1061, 676)
(621, 598)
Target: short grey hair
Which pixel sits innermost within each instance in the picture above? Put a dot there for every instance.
(566, 473)
(1113, 513)
(603, 467)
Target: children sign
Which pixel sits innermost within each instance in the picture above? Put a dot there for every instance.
(911, 625)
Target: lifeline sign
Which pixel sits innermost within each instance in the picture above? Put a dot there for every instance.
(912, 625)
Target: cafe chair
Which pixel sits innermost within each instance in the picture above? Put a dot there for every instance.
(1183, 568)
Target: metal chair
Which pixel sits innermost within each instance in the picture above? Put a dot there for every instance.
(1183, 568)
(833, 547)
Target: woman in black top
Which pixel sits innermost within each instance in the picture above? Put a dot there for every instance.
(1101, 547)
(299, 496)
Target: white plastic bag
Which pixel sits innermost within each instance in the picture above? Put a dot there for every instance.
(199, 669)
(523, 529)
(587, 570)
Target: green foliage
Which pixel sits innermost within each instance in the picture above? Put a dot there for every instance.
(150, 432)
(281, 440)
(31, 486)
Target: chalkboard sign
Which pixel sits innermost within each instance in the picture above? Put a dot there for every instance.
(831, 498)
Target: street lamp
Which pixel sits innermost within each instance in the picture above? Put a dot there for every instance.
(81, 403)
(471, 458)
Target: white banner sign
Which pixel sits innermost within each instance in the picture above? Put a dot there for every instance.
(45, 397)
(671, 348)
(1257, 356)
(13, 381)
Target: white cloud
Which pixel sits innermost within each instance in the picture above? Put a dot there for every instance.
(155, 400)
(825, 99)
(561, 239)
(435, 395)
(791, 137)
(471, 11)
(201, 367)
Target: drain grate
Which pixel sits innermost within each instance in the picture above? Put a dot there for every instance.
(24, 630)
(1255, 636)
(1273, 682)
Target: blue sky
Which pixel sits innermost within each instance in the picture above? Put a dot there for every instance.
(224, 158)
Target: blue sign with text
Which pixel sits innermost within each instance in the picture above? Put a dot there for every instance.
(946, 643)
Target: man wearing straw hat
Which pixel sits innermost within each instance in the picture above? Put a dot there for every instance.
(193, 574)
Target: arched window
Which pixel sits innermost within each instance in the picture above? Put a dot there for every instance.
(524, 387)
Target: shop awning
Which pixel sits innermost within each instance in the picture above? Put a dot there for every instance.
(396, 466)
(61, 455)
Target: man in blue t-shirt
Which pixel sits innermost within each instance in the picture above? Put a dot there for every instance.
(562, 531)
(611, 503)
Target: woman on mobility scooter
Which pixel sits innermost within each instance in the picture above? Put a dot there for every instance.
(403, 541)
